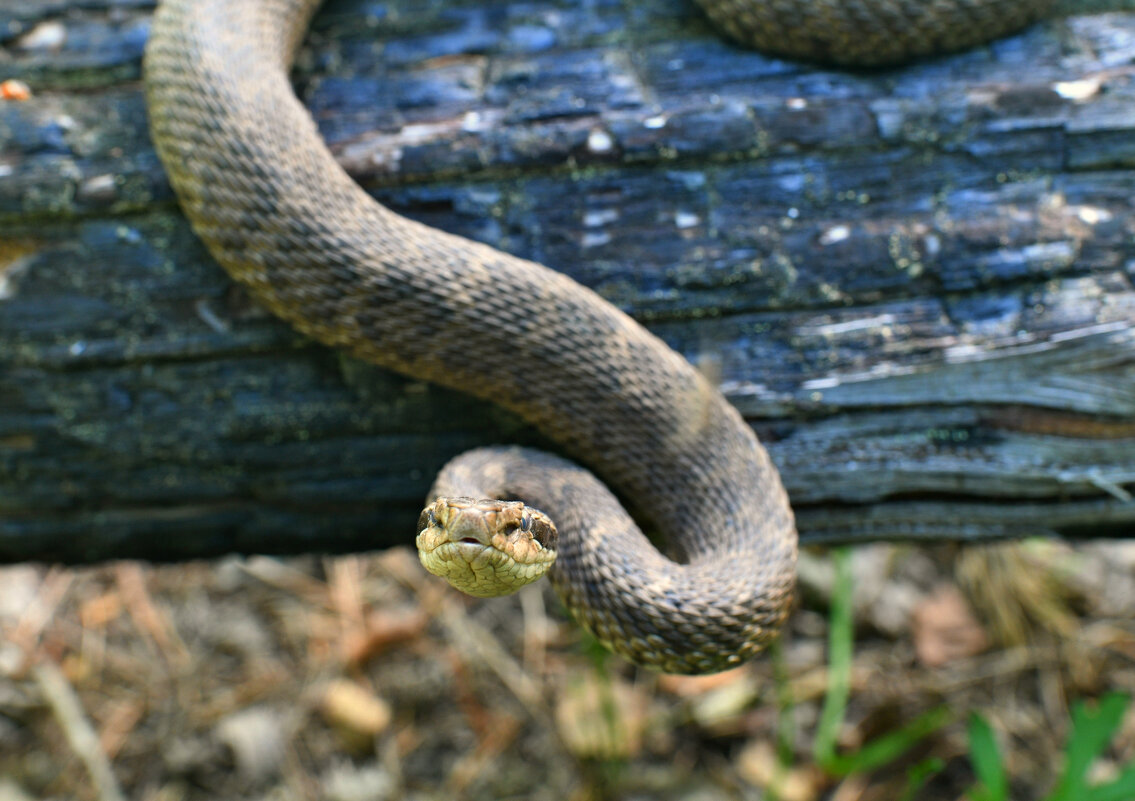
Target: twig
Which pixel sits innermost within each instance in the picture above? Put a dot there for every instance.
(40, 613)
(535, 628)
(147, 616)
(84, 741)
(478, 645)
(473, 642)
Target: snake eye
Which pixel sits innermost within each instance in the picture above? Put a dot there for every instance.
(542, 531)
(526, 523)
(426, 519)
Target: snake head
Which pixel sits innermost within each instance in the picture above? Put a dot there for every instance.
(485, 548)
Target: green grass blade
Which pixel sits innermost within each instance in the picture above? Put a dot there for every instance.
(839, 660)
(882, 750)
(985, 755)
(888, 747)
(785, 706)
(918, 775)
(1092, 730)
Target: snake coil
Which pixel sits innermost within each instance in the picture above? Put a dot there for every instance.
(279, 214)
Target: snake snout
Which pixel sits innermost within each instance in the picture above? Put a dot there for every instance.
(485, 548)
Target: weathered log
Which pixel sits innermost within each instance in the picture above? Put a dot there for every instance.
(917, 284)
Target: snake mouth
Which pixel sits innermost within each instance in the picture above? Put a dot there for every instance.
(479, 569)
(485, 548)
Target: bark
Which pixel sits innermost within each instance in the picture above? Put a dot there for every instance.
(917, 283)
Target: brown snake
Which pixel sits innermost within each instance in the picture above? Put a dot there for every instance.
(274, 208)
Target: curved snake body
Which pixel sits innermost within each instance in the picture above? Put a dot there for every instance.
(282, 217)
(870, 32)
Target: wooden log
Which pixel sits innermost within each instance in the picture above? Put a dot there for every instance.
(916, 283)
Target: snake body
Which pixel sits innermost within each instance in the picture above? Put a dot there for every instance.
(870, 32)
(280, 215)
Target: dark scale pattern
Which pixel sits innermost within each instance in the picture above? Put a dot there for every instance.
(279, 214)
(870, 32)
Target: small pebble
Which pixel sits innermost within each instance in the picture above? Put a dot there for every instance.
(48, 35)
(255, 736)
(600, 142)
(347, 705)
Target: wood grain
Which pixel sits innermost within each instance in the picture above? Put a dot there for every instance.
(917, 284)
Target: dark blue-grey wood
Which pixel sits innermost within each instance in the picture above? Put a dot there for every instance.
(917, 284)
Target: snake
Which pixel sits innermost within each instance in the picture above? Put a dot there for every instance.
(664, 527)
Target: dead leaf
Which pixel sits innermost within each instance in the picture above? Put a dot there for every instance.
(355, 711)
(759, 766)
(601, 716)
(945, 629)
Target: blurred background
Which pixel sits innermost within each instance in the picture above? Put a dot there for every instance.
(362, 677)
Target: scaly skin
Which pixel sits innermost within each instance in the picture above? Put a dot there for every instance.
(263, 192)
(870, 33)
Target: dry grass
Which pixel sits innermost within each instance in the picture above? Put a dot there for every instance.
(362, 678)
